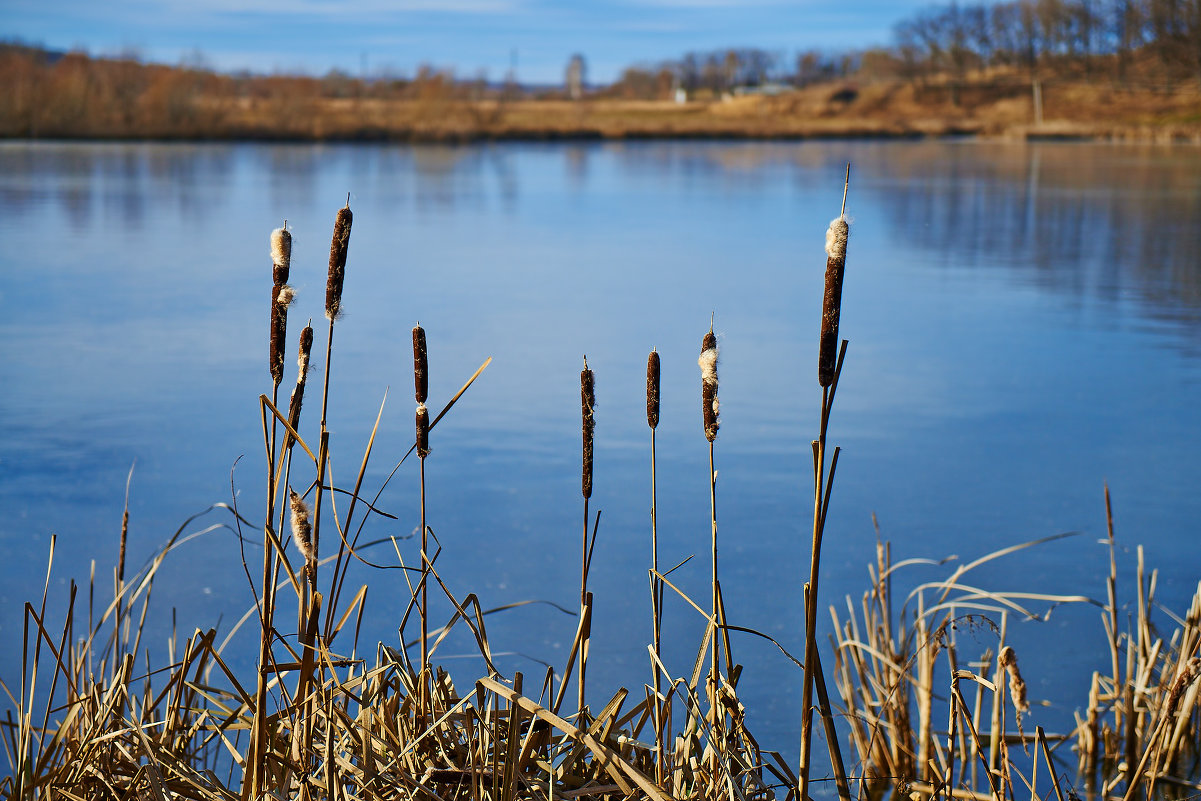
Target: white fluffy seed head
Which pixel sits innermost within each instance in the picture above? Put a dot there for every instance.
(1017, 686)
(281, 247)
(286, 295)
(708, 365)
(302, 532)
(836, 238)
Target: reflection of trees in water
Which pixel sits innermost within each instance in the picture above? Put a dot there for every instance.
(1088, 220)
(194, 178)
(123, 177)
(1091, 221)
(291, 171)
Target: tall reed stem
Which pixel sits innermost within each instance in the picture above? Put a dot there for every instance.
(709, 414)
(652, 420)
(421, 390)
(828, 369)
(281, 295)
(587, 429)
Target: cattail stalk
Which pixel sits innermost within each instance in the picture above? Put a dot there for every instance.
(281, 298)
(339, 243)
(830, 355)
(587, 430)
(836, 259)
(707, 361)
(421, 389)
(652, 420)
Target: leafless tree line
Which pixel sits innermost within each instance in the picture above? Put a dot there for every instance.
(1091, 35)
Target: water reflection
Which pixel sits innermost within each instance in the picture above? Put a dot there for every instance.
(1090, 221)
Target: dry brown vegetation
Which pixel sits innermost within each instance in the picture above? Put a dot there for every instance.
(96, 716)
(76, 96)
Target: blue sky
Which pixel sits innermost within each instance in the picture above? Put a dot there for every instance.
(468, 35)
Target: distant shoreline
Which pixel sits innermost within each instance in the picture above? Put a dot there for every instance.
(1146, 135)
(1005, 110)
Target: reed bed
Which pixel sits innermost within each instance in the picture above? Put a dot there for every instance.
(95, 716)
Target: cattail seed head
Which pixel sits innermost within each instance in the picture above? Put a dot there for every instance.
(281, 254)
(306, 347)
(302, 370)
(709, 402)
(836, 259)
(588, 427)
(281, 297)
(302, 531)
(337, 262)
(1008, 659)
(420, 365)
(423, 431)
(652, 389)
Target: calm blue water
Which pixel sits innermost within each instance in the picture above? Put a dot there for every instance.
(1024, 326)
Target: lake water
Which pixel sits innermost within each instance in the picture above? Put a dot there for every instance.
(1024, 326)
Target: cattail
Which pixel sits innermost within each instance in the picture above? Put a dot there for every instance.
(709, 402)
(652, 389)
(281, 299)
(423, 431)
(587, 409)
(836, 259)
(421, 381)
(302, 531)
(281, 254)
(1190, 673)
(337, 262)
(1008, 659)
(302, 370)
(282, 296)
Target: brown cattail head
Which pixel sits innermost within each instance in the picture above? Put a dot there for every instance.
(423, 431)
(1008, 659)
(281, 254)
(709, 403)
(652, 389)
(337, 262)
(836, 259)
(281, 298)
(302, 531)
(587, 412)
(302, 370)
(306, 347)
(421, 382)
(1190, 673)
